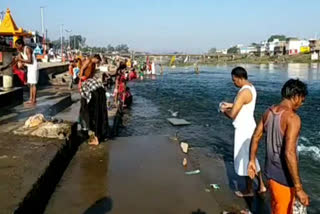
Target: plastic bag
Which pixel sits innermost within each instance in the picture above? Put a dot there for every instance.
(299, 208)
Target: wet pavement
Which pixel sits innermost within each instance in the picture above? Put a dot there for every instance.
(140, 175)
(84, 182)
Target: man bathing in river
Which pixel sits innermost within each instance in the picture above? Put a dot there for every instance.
(242, 113)
(282, 127)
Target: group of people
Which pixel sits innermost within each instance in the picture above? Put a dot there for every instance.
(94, 109)
(281, 125)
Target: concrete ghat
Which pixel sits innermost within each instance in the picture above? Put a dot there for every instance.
(133, 175)
(29, 171)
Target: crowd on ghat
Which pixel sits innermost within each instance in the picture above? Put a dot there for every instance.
(95, 88)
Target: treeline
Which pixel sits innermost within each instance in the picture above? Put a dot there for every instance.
(78, 42)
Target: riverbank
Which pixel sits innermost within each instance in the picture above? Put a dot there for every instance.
(248, 59)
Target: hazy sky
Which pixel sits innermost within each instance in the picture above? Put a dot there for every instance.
(169, 25)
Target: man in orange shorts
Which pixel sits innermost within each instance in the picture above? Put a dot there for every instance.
(281, 125)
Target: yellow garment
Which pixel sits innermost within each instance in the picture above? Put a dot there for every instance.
(129, 63)
(173, 59)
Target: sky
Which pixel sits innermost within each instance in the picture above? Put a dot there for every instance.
(192, 26)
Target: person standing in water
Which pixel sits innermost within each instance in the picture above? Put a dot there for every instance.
(242, 114)
(282, 127)
(28, 59)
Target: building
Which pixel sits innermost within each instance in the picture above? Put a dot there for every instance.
(314, 45)
(248, 50)
(262, 48)
(222, 51)
(295, 46)
(276, 47)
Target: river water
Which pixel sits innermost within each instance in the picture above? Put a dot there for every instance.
(197, 97)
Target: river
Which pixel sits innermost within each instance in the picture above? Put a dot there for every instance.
(197, 97)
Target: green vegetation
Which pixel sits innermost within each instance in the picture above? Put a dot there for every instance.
(233, 50)
(251, 59)
(280, 37)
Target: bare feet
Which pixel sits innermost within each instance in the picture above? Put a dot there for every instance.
(245, 211)
(244, 194)
(93, 141)
(262, 190)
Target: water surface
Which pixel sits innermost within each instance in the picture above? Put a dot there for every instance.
(197, 97)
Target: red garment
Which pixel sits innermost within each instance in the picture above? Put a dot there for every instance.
(122, 87)
(132, 75)
(21, 74)
(82, 79)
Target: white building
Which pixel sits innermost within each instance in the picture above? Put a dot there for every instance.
(295, 46)
(248, 49)
(222, 51)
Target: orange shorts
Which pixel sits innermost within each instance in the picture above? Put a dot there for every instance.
(282, 198)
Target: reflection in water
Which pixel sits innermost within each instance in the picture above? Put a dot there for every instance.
(301, 71)
(271, 68)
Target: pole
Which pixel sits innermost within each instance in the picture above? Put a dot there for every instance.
(61, 35)
(42, 22)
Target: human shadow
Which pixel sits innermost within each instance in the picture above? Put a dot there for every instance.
(198, 211)
(101, 206)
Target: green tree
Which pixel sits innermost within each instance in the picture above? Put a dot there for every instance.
(77, 41)
(122, 48)
(110, 48)
(233, 50)
(212, 51)
(280, 37)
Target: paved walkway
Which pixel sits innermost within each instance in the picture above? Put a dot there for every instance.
(134, 175)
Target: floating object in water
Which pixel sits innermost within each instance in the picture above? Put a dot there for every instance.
(215, 186)
(193, 172)
(174, 114)
(184, 147)
(207, 190)
(184, 162)
(178, 122)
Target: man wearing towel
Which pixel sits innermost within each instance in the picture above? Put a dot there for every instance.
(242, 114)
(27, 58)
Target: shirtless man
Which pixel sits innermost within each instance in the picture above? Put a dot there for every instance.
(87, 72)
(282, 127)
(88, 67)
